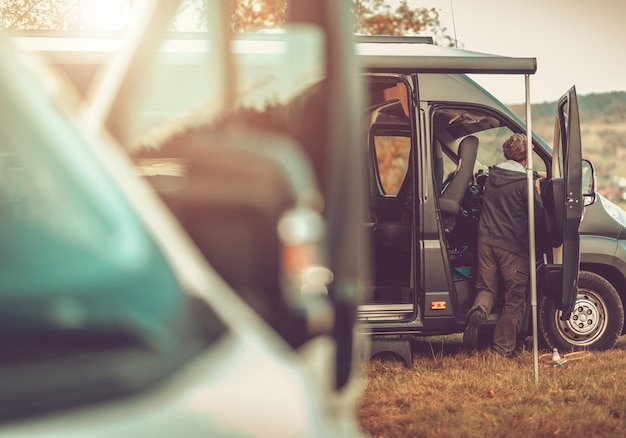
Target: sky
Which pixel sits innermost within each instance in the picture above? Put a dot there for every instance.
(575, 42)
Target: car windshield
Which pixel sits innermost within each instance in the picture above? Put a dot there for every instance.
(86, 296)
(175, 93)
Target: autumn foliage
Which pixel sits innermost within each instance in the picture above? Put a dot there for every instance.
(371, 17)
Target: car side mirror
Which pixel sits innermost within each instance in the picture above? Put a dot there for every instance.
(588, 183)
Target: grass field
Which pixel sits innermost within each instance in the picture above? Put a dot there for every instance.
(454, 393)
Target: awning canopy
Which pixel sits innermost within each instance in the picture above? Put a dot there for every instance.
(416, 57)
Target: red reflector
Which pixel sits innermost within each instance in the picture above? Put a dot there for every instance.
(438, 305)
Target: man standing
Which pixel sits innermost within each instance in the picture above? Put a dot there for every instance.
(503, 248)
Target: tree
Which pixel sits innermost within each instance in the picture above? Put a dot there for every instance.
(70, 15)
(378, 17)
(254, 15)
(372, 17)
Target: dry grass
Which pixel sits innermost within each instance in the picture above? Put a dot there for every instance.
(453, 393)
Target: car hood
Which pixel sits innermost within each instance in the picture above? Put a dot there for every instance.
(604, 218)
(236, 389)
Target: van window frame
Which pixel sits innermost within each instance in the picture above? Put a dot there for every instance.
(540, 154)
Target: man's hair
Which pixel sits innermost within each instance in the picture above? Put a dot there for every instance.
(514, 147)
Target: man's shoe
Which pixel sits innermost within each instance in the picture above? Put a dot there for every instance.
(470, 336)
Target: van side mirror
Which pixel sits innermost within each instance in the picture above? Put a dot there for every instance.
(588, 183)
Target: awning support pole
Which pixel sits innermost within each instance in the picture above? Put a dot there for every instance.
(531, 229)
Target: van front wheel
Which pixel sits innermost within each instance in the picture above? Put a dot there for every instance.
(595, 323)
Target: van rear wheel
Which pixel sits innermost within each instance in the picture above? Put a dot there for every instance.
(595, 323)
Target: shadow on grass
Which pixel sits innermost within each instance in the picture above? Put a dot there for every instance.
(433, 347)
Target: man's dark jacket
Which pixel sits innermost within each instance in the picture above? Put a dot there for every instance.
(504, 218)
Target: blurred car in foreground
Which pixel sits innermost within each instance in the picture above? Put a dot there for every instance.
(113, 322)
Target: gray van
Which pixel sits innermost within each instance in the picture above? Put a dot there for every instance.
(433, 134)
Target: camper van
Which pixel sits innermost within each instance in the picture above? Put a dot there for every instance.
(432, 135)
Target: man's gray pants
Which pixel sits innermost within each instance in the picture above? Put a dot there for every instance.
(514, 270)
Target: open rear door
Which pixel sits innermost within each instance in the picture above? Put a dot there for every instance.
(566, 163)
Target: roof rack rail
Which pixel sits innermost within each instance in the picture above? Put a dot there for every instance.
(412, 39)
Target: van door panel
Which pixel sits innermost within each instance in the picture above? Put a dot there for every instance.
(566, 163)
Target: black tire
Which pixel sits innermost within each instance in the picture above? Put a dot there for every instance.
(595, 323)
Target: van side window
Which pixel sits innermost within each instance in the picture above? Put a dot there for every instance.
(490, 152)
(392, 160)
(451, 125)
